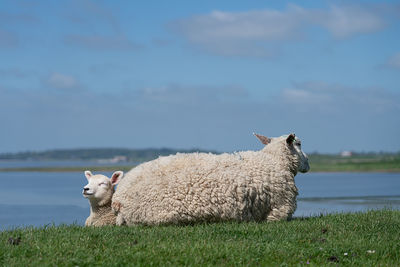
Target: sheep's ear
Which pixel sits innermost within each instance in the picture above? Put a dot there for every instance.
(116, 177)
(265, 140)
(290, 139)
(88, 174)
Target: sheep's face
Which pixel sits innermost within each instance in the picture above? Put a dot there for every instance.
(100, 188)
(294, 141)
(294, 144)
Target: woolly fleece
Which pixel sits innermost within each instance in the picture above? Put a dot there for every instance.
(200, 187)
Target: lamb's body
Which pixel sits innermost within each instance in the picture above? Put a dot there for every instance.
(101, 215)
(196, 187)
(99, 192)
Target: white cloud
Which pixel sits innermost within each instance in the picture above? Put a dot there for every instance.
(180, 116)
(303, 96)
(254, 25)
(62, 81)
(241, 33)
(336, 98)
(349, 20)
(258, 32)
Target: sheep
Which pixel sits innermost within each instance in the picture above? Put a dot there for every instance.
(201, 187)
(99, 192)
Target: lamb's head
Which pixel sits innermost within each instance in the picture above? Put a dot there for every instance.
(292, 142)
(100, 188)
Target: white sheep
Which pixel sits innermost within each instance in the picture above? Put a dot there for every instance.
(99, 192)
(199, 187)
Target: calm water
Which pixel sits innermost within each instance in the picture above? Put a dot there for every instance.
(35, 198)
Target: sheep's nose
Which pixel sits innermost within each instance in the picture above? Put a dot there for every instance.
(85, 188)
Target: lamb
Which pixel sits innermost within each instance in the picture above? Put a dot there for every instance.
(99, 192)
(201, 187)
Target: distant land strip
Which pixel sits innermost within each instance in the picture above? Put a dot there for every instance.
(68, 169)
(130, 155)
(348, 167)
(129, 158)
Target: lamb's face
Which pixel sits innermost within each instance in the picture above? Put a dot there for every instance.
(100, 187)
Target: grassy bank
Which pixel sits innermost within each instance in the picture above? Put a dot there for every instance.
(357, 163)
(361, 239)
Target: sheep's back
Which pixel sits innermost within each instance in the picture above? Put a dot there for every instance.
(196, 187)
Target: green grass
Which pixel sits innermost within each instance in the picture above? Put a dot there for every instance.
(319, 241)
(357, 163)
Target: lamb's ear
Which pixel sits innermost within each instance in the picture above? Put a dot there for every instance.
(290, 139)
(116, 177)
(88, 174)
(265, 140)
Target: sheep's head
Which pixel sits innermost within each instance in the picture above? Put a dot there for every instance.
(293, 143)
(100, 188)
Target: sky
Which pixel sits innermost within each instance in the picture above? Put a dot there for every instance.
(199, 74)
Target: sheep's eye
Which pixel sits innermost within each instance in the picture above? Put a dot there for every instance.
(100, 184)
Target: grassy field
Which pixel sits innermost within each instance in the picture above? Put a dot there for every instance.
(360, 239)
(356, 163)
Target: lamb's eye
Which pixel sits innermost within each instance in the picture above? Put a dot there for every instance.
(102, 184)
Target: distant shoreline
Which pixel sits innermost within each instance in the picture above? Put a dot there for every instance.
(318, 162)
(112, 159)
(68, 169)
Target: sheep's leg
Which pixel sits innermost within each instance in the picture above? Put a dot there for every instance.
(120, 220)
(117, 207)
(281, 213)
(88, 221)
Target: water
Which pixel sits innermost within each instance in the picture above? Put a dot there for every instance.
(39, 198)
(348, 192)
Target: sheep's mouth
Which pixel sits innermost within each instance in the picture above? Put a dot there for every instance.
(87, 194)
(305, 169)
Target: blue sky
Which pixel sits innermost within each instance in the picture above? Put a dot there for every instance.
(203, 74)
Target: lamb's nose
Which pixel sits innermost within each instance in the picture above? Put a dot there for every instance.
(85, 188)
